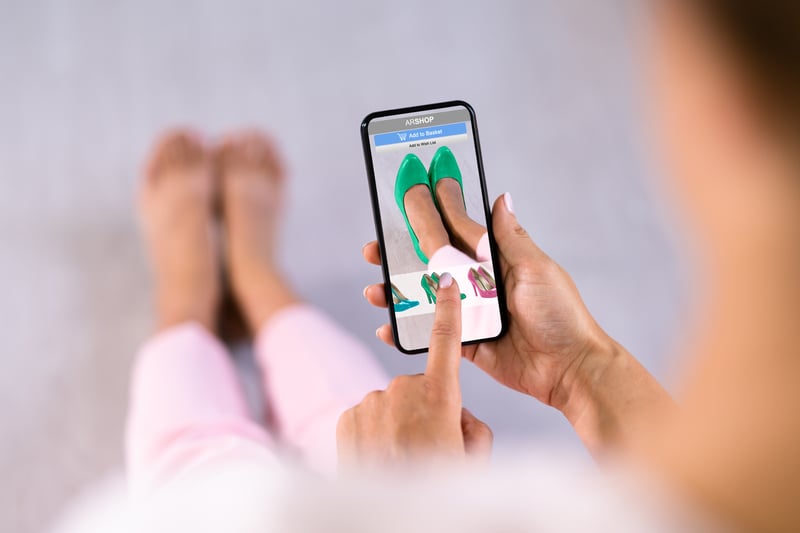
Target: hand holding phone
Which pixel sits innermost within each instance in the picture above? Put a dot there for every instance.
(432, 216)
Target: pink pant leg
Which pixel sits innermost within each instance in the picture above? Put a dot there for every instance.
(447, 257)
(313, 372)
(186, 408)
(483, 252)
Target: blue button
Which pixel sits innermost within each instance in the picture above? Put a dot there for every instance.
(410, 136)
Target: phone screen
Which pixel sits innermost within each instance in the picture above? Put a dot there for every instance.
(432, 216)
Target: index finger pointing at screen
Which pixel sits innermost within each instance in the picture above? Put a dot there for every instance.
(444, 357)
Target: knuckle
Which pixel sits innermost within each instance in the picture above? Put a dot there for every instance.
(345, 422)
(432, 392)
(550, 268)
(370, 399)
(448, 300)
(479, 429)
(520, 232)
(486, 431)
(444, 328)
(527, 270)
(534, 269)
(400, 383)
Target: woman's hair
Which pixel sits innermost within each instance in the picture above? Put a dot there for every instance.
(765, 36)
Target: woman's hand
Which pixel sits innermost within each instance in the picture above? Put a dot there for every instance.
(554, 350)
(550, 330)
(418, 418)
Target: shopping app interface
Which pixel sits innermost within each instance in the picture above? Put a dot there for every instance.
(434, 221)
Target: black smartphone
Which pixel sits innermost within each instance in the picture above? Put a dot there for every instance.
(432, 216)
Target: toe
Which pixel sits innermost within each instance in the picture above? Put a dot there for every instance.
(178, 149)
(250, 151)
(178, 168)
(177, 146)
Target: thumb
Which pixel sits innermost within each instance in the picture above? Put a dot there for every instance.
(513, 242)
(478, 437)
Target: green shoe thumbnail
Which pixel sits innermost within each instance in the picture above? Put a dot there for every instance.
(412, 172)
(435, 278)
(431, 286)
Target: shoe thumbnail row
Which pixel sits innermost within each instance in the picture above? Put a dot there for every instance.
(483, 285)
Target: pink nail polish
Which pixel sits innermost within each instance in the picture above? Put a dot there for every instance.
(445, 280)
(508, 202)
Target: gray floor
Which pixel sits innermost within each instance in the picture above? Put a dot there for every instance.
(86, 85)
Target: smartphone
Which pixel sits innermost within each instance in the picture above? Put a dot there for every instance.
(432, 216)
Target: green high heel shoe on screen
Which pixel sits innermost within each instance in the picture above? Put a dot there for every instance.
(400, 302)
(444, 165)
(430, 288)
(431, 285)
(411, 172)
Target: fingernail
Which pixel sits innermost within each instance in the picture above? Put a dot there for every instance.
(378, 333)
(365, 291)
(509, 203)
(445, 280)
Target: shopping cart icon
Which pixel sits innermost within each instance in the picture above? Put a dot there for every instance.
(402, 136)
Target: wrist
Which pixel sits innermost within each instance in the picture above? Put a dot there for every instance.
(609, 398)
(576, 394)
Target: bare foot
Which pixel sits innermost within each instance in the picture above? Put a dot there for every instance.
(425, 220)
(176, 207)
(466, 233)
(252, 195)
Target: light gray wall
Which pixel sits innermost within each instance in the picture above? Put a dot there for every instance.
(86, 85)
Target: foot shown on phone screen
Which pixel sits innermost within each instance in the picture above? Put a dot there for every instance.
(465, 233)
(425, 220)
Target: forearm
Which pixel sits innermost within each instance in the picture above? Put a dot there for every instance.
(610, 399)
